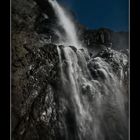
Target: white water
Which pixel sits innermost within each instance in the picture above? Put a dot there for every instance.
(106, 96)
(64, 20)
(78, 85)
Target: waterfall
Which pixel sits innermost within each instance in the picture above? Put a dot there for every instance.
(66, 23)
(95, 107)
(91, 100)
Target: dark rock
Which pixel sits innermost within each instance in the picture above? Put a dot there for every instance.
(106, 37)
(32, 90)
(49, 10)
(74, 48)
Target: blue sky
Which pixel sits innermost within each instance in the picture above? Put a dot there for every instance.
(94, 14)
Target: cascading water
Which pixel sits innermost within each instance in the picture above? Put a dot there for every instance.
(95, 108)
(66, 23)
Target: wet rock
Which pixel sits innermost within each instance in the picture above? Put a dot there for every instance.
(109, 60)
(74, 48)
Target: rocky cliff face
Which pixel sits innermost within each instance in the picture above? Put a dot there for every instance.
(36, 114)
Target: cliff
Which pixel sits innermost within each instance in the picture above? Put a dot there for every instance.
(36, 112)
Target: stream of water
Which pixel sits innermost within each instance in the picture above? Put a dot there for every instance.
(97, 107)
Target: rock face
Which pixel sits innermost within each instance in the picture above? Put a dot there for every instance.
(101, 36)
(106, 37)
(36, 114)
(118, 61)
